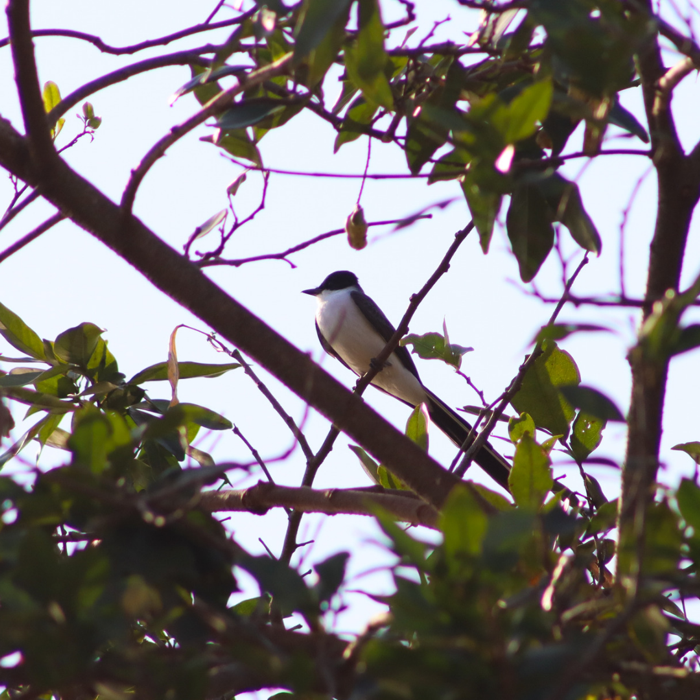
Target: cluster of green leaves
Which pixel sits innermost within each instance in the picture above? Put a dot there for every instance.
(496, 125)
(76, 375)
(111, 576)
(507, 606)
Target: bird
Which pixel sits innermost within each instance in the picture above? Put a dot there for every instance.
(354, 330)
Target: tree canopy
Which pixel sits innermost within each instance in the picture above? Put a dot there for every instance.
(118, 573)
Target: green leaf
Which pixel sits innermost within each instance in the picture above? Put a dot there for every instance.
(251, 605)
(417, 427)
(529, 229)
(18, 334)
(663, 540)
(518, 120)
(403, 544)
(517, 427)
(96, 434)
(531, 476)
(204, 84)
(187, 370)
(449, 166)
(559, 331)
(284, 584)
(688, 498)
(463, 523)
(623, 118)
(484, 205)
(317, 20)
(331, 572)
(28, 436)
(76, 345)
(690, 448)
(183, 413)
(51, 95)
(249, 112)
(564, 200)
(365, 58)
(237, 143)
(593, 402)
(21, 376)
(604, 519)
(386, 479)
(433, 346)
(586, 434)
(38, 399)
(594, 491)
(539, 395)
(368, 464)
(360, 113)
(210, 224)
(494, 498)
(688, 339)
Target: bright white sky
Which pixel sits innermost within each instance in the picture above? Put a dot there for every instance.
(67, 277)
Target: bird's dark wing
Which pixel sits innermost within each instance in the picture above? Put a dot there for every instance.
(329, 348)
(383, 325)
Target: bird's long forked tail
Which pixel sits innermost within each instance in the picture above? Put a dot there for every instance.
(458, 430)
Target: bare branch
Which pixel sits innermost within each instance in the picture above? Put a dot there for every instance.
(32, 235)
(13, 210)
(215, 105)
(181, 58)
(134, 48)
(405, 506)
(671, 79)
(295, 249)
(296, 431)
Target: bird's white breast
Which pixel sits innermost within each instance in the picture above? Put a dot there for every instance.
(351, 335)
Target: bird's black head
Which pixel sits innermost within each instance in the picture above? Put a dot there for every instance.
(336, 280)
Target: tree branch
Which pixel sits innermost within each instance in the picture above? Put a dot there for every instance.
(134, 48)
(291, 424)
(32, 235)
(294, 249)
(36, 124)
(405, 506)
(181, 58)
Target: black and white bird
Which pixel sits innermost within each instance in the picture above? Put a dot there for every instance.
(353, 329)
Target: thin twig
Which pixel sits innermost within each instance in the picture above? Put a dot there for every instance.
(623, 227)
(134, 48)
(255, 453)
(298, 435)
(295, 249)
(32, 235)
(364, 175)
(514, 386)
(212, 14)
(181, 58)
(12, 210)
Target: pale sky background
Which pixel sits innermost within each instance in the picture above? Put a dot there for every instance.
(67, 277)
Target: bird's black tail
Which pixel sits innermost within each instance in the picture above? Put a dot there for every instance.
(458, 429)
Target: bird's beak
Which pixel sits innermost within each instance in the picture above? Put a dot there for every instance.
(312, 292)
